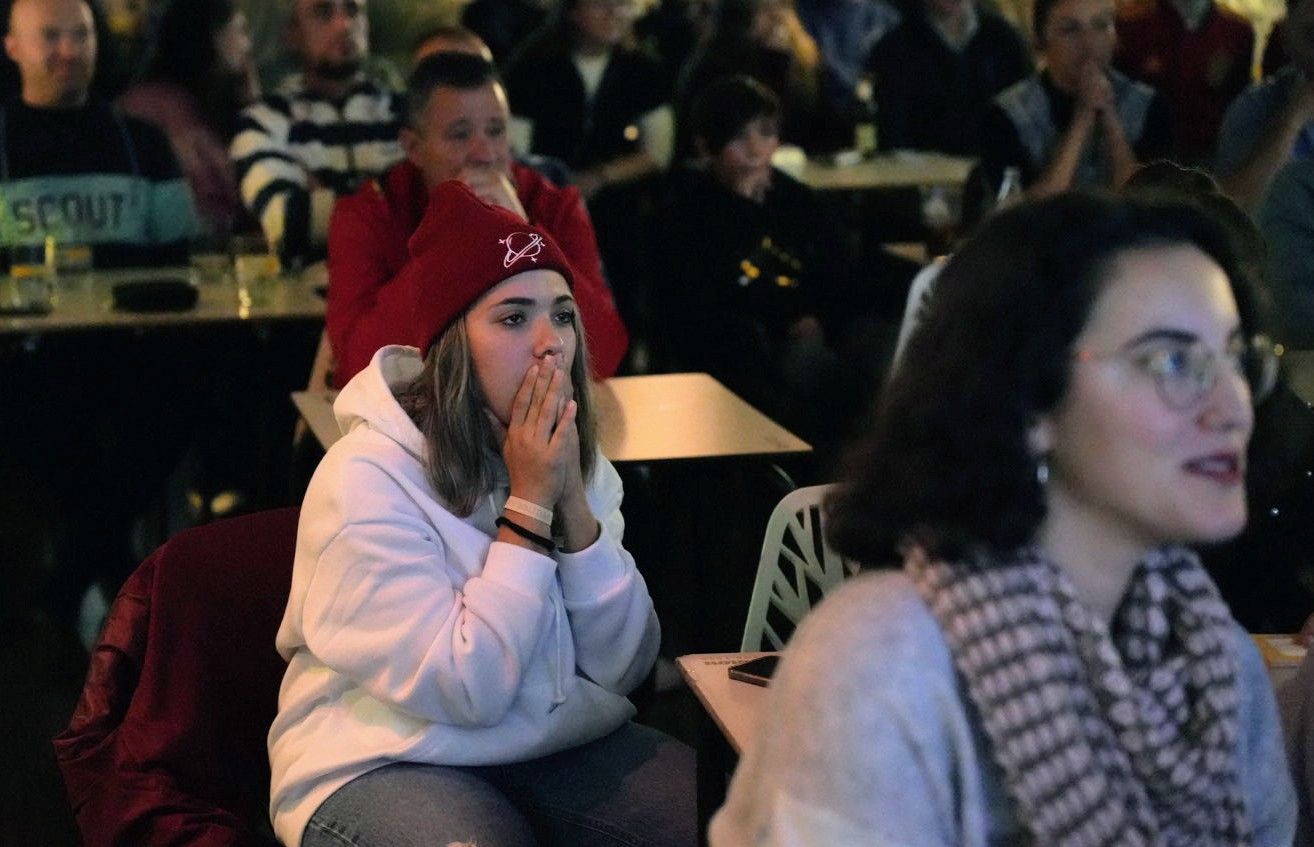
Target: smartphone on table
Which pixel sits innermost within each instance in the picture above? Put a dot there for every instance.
(756, 671)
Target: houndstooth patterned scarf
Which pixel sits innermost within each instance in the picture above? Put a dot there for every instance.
(1123, 738)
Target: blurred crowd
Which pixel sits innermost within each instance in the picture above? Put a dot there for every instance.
(275, 111)
(643, 138)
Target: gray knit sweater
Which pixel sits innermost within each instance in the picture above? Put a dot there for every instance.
(869, 739)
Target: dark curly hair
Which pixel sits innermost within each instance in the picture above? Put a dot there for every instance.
(946, 462)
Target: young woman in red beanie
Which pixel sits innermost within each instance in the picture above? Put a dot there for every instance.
(464, 622)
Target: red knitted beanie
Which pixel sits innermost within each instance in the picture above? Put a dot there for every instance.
(462, 248)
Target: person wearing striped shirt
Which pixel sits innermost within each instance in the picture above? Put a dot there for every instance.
(321, 133)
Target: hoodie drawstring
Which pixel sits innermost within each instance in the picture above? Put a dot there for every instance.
(559, 671)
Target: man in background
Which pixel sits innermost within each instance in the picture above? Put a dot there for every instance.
(937, 72)
(71, 166)
(94, 422)
(456, 128)
(1197, 54)
(322, 133)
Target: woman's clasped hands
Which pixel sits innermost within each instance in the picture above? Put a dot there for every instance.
(540, 446)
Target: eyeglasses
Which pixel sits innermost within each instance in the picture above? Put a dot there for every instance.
(1185, 371)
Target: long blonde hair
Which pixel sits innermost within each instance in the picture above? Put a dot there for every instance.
(447, 405)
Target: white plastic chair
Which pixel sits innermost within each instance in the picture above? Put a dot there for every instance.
(796, 570)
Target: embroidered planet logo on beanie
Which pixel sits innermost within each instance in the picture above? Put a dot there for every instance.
(462, 248)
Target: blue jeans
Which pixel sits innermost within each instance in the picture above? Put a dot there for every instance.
(632, 788)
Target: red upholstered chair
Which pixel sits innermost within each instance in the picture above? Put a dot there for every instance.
(167, 744)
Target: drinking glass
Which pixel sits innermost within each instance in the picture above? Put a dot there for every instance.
(29, 288)
(256, 268)
(209, 262)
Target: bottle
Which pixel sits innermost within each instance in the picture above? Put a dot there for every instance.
(864, 127)
(67, 254)
(1010, 188)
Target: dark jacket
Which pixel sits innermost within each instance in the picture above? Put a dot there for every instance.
(931, 97)
(545, 87)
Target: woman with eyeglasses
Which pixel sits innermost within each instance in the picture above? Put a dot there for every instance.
(1078, 122)
(1051, 664)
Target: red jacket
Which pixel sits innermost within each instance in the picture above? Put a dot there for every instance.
(1199, 72)
(368, 237)
(167, 744)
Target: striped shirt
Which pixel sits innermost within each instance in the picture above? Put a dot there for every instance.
(296, 152)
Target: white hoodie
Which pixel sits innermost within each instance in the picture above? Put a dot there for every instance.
(413, 636)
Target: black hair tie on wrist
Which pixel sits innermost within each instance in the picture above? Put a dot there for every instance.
(533, 537)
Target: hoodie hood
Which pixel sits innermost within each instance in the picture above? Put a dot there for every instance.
(370, 398)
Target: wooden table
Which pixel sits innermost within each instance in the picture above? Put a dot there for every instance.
(1282, 655)
(734, 706)
(733, 710)
(663, 417)
(83, 303)
(898, 169)
(251, 353)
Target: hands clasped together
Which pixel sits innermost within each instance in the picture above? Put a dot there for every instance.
(540, 446)
(1095, 91)
(493, 185)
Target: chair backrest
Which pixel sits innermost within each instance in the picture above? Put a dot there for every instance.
(796, 569)
(321, 369)
(167, 744)
(320, 381)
